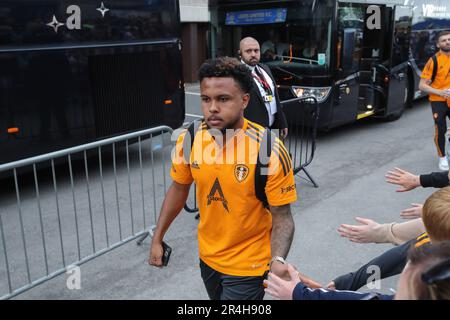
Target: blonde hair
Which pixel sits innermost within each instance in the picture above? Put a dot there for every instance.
(436, 215)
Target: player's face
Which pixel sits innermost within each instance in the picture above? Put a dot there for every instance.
(444, 43)
(223, 103)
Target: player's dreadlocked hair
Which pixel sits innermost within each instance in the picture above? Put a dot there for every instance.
(227, 67)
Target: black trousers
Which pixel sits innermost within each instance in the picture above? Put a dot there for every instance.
(440, 112)
(225, 287)
(391, 263)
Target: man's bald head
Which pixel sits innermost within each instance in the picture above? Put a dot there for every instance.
(247, 40)
(249, 51)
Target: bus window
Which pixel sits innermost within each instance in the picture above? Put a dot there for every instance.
(293, 35)
(61, 87)
(350, 29)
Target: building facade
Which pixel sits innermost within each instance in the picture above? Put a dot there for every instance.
(195, 25)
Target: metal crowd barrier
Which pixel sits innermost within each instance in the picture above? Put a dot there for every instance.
(77, 204)
(301, 141)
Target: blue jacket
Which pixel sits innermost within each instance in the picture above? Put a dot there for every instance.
(302, 292)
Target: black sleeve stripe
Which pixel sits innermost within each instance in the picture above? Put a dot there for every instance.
(285, 171)
(278, 143)
(256, 133)
(254, 127)
(253, 135)
(285, 156)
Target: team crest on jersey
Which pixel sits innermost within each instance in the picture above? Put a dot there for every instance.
(241, 172)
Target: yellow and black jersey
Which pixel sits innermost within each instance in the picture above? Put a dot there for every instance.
(422, 239)
(235, 227)
(442, 79)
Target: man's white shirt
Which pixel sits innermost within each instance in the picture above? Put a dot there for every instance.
(271, 106)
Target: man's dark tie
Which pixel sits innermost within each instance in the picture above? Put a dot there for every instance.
(263, 80)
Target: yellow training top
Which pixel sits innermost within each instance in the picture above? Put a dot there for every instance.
(442, 80)
(235, 229)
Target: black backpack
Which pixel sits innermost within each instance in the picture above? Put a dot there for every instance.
(435, 68)
(260, 179)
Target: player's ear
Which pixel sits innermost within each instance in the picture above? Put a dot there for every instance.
(245, 100)
(239, 53)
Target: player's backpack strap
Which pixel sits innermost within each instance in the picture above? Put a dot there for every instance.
(260, 174)
(435, 68)
(188, 140)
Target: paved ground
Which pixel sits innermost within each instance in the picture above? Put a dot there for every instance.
(349, 167)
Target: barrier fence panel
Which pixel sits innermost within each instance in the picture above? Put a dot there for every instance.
(303, 120)
(68, 207)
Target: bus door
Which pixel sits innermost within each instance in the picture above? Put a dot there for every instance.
(395, 79)
(350, 28)
(366, 59)
(375, 56)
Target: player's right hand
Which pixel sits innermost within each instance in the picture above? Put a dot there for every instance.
(156, 253)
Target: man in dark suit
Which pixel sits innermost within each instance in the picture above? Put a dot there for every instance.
(264, 107)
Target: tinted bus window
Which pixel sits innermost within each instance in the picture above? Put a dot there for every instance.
(61, 86)
(350, 37)
(26, 23)
(295, 35)
(429, 17)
